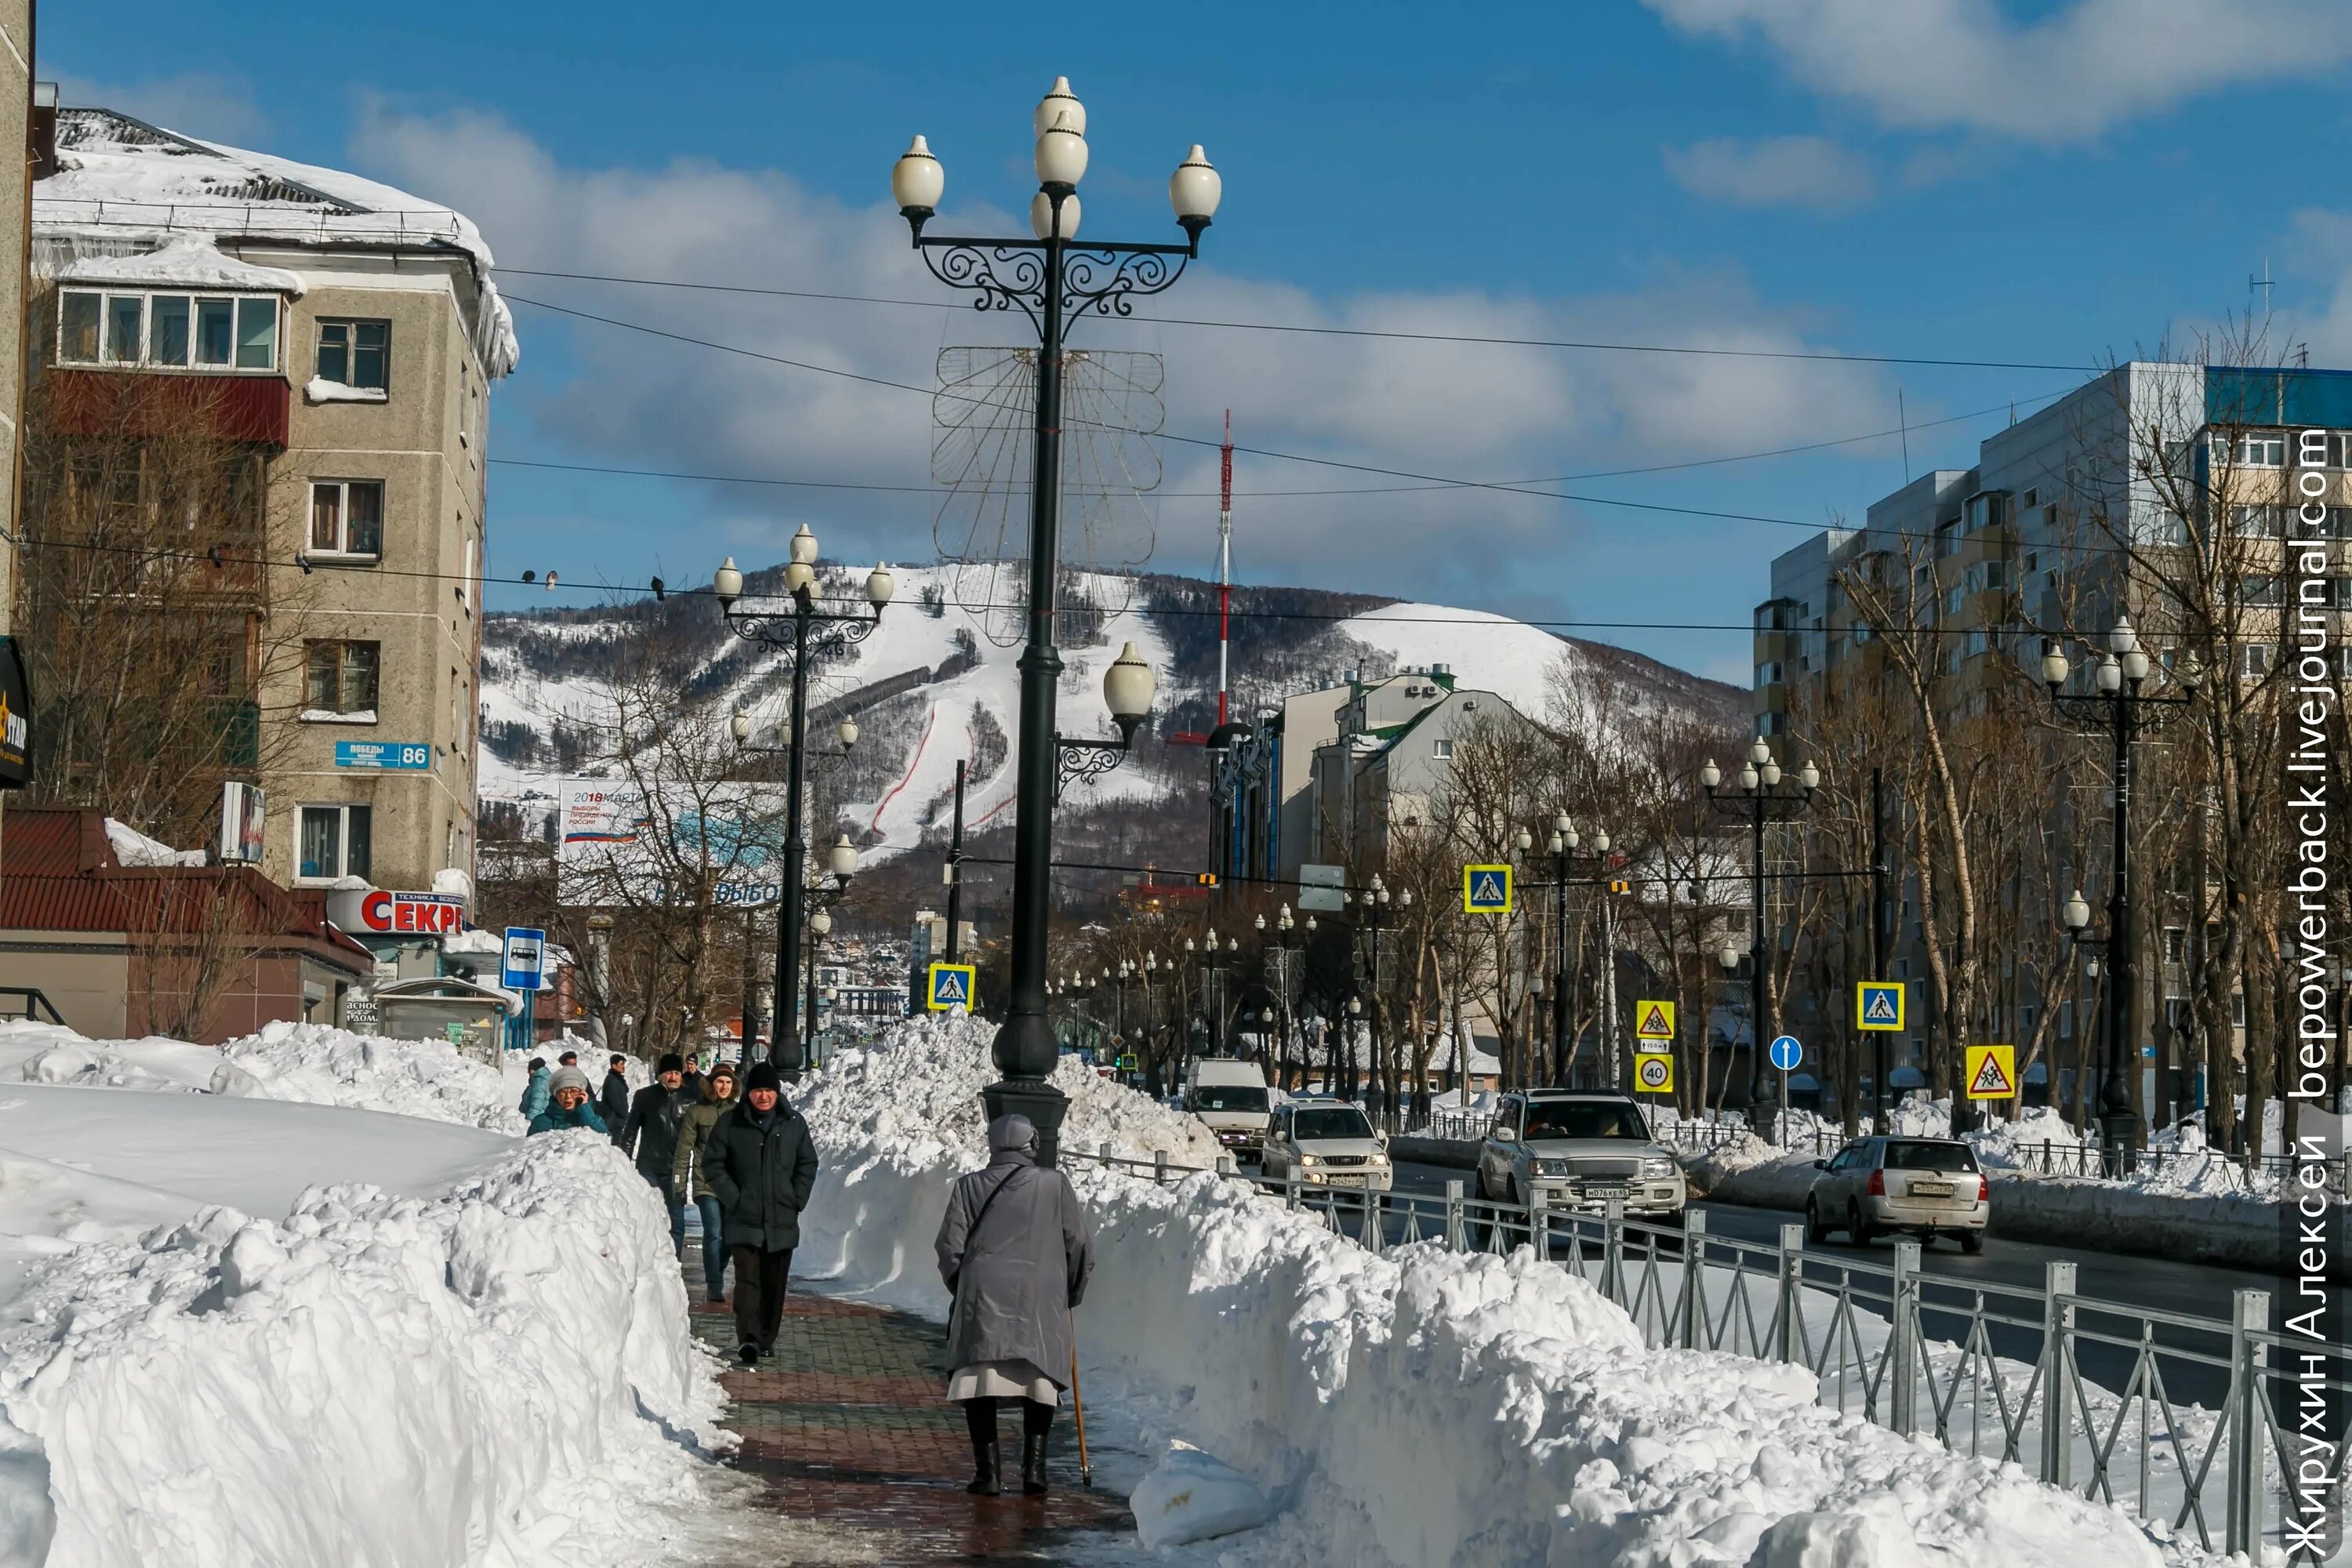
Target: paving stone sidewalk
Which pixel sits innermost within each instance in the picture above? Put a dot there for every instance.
(845, 1427)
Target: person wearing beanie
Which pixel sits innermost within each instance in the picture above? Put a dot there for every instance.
(762, 1164)
(613, 1099)
(568, 1106)
(649, 1135)
(1015, 1252)
(688, 1171)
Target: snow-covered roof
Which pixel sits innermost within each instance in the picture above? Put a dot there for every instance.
(125, 188)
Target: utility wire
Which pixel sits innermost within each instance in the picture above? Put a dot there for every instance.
(1585, 345)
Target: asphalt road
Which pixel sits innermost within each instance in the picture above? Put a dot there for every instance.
(2162, 1284)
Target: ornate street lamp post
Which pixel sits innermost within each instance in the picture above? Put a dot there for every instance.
(1564, 855)
(802, 632)
(2115, 700)
(1048, 277)
(1760, 797)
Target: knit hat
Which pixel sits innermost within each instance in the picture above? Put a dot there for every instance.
(567, 1078)
(672, 1062)
(763, 1075)
(1012, 1131)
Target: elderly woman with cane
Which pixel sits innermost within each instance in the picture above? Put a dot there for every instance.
(1015, 1251)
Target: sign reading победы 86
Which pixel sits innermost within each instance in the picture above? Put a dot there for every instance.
(385, 756)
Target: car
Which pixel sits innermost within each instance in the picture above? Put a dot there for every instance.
(1327, 1143)
(1230, 1098)
(1924, 1187)
(1581, 1148)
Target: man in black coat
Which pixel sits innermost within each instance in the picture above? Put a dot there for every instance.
(613, 1099)
(762, 1164)
(649, 1135)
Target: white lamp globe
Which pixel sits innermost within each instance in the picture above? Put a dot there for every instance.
(1041, 216)
(1127, 685)
(1195, 189)
(1061, 155)
(879, 586)
(1059, 104)
(917, 180)
(805, 546)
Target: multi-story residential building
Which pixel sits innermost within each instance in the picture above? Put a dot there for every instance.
(345, 337)
(17, 114)
(2023, 547)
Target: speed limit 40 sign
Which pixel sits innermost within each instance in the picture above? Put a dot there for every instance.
(1653, 1072)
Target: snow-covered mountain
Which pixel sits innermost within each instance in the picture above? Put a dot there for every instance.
(929, 688)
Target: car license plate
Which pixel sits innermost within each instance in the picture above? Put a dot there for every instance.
(1931, 1189)
(1344, 1180)
(1601, 1194)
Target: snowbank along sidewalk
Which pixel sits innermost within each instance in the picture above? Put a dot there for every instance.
(1422, 1408)
(239, 1329)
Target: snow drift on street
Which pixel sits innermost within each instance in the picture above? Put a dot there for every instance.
(1426, 1407)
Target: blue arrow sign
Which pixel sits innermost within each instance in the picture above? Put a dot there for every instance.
(1787, 1053)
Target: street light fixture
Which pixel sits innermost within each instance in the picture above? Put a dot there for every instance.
(1049, 277)
(1563, 848)
(1759, 798)
(2117, 703)
(1128, 688)
(802, 632)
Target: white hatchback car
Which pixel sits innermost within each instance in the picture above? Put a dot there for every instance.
(1327, 1143)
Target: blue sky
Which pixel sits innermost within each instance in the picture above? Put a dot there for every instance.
(2054, 182)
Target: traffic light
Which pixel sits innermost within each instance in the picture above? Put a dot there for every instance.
(1620, 886)
(1204, 879)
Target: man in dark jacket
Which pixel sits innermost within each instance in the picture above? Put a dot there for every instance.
(762, 1165)
(650, 1136)
(1015, 1252)
(690, 1170)
(613, 1099)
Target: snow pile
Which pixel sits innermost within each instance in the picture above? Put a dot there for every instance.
(492, 1374)
(132, 848)
(1425, 1406)
(61, 1056)
(326, 1066)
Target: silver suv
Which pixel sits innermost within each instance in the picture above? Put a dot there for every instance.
(1924, 1187)
(1581, 1148)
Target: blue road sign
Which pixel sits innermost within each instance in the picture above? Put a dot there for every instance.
(950, 986)
(1878, 1005)
(526, 959)
(1787, 1053)
(385, 756)
(1486, 889)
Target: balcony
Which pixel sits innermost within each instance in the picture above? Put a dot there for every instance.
(255, 409)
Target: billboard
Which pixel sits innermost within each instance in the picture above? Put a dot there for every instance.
(614, 847)
(244, 808)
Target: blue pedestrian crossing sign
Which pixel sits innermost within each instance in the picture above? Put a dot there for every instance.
(1787, 1053)
(1486, 889)
(949, 986)
(1878, 1004)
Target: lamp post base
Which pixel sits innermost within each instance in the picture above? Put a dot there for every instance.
(2119, 1139)
(1964, 1114)
(1040, 1101)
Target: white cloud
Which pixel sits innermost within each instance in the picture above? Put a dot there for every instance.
(1774, 171)
(201, 104)
(1455, 409)
(1930, 64)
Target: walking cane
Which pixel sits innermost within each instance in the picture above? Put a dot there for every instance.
(1078, 1404)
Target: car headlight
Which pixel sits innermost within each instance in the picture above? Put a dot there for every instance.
(1307, 1159)
(1657, 1167)
(1551, 1167)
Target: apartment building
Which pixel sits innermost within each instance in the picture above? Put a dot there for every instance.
(346, 336)
(2022, 549)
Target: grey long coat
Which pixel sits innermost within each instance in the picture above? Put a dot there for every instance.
(1016, 1278)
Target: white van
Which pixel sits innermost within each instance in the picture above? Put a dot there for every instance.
(1231, 1096)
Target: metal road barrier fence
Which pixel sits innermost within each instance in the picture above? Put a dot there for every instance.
(2191, 1425)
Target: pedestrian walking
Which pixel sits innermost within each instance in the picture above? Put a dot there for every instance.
(689, 1173)
(534, 1093)
(650, 1136)
(569, 1105)
(1015, 1252)
(613, 1099)
(762, 1165)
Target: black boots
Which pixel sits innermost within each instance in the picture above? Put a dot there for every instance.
(987, 1466)
(1032, 1463)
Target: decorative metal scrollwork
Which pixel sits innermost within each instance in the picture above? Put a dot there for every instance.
(795, 633)
(1108, 282)
(999, 275)
(1083, 761)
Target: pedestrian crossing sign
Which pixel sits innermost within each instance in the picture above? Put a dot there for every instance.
(951, 985)
(1653, 1072)
(1992, 1072)
(1654, 1020)
(1878, 1004)
(1486, 889)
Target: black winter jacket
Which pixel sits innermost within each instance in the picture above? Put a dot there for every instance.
(614, 1102)
(650, 1133)
(762, 1175)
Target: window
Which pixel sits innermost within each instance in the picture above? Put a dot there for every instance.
(167, 330)
(2176, 944)
(355, 354)
(2254, 660)
(347, 517)
(2261, 451)
(341, 679)
(2261, 592)
(334, 842)
(2257, 521)
(2033, 499)
(1768, 673)
(1440, 747)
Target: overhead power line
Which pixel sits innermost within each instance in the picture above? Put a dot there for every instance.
(1494, 341)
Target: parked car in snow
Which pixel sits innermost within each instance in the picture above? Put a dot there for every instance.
(1580, 1147)
(1327, 1143)
(1924, 1187)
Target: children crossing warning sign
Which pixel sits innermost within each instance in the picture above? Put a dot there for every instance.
(950, 986)
(1991, 1072)
(1878, 1004)
(1486, 889)
(1653, 1072)
(1654, 1020)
